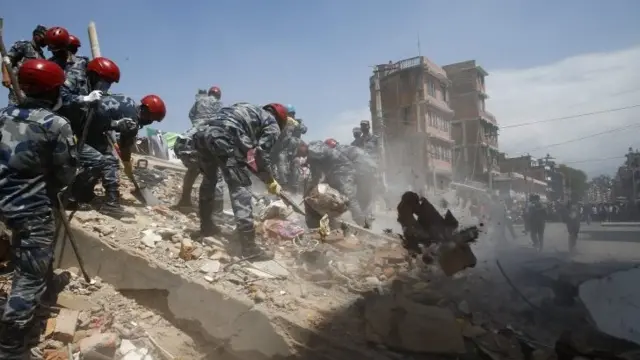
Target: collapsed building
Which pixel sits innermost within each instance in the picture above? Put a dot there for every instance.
(340, 296)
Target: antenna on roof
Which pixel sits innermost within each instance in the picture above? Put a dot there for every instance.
(419, 50)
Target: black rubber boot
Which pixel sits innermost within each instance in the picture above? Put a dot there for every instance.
(250, 249)
(207, 226)
(112, 206)
(13, 343)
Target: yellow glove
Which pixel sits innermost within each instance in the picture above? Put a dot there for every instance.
(128, 168)
(274, 188)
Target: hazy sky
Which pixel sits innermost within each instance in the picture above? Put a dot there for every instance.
(317, 56)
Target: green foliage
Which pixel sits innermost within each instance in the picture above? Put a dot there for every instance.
(575, 180)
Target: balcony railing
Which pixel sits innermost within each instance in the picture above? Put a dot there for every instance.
(488, 116)
(388, 69)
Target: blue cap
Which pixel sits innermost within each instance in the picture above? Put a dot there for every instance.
(291, 109)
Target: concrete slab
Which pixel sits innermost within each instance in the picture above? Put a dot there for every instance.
(223, 314)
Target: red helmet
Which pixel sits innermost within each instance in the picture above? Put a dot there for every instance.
(105, 69)
(215, 91)
(279, 111)
(155, 107)
(332, 143)
(57, 38)
(74, 41)
(37, 76)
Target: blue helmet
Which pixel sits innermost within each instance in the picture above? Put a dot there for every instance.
(291, 109)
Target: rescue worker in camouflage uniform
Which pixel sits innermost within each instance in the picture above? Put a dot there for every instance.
(120, 113)
(78, 96)
(59, 42)
(301, 128)
(37, 160)
(281, 150)
(339, 173)
(74, 45)
(185, 151)
(225, 142)
(357, 136)
(294, 168)
(366, 176)
(21, 51)
(205, 108)
(369, 142)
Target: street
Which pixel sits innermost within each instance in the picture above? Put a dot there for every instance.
(595, 242)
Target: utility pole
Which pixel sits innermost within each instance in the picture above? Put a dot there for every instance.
(490, 169)
(380, 122)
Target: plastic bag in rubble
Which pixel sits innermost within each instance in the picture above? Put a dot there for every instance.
(326, 200)
(275, 210)
(281, 229)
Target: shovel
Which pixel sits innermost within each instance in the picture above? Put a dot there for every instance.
(286, 198)
(143, 194)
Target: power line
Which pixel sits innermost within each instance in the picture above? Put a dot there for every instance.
(570, 117)
(587, 137)
(592, 160)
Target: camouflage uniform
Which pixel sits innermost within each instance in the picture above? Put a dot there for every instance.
(20, 52)
(29, 182)
(205, 108)
(185, 151)
(339, 173)
(284, 152)
(224, 142)
(112, 108)
(357, 137)
(366, 177)
(299, 130)
(72, 64)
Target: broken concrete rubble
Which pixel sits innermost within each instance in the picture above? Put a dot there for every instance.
(306, 298)
(91, 320)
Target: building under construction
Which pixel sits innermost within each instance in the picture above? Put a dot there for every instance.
(410, 111)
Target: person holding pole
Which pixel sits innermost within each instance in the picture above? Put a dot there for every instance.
(37, 159)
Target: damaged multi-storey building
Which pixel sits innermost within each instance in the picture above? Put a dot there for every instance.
(415, 122)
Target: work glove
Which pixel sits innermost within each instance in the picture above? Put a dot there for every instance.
(95, 95)
(124, 125)
(128, 168)
(273, 187)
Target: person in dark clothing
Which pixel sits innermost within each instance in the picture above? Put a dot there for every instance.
(535, 218)
(571, 217)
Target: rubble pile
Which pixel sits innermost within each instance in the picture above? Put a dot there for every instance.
(350, 285)
(95, 322)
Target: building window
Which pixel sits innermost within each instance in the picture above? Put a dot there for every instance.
(431, 88)
(481, 104)
(443, 91)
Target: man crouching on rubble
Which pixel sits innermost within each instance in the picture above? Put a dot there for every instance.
(224, 142)
(339, 173)
(29, 182)
(366, 176)
(120, 113)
